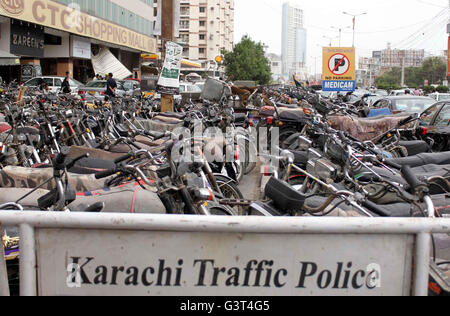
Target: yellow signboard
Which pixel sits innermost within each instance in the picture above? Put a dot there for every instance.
(72, 20)
(339, 69)
(339, 63)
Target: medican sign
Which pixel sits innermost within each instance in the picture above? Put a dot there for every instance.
(339, 71)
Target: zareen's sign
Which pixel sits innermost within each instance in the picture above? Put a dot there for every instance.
(27, 39)
(102, 262)
(61, 17)
(339, 72)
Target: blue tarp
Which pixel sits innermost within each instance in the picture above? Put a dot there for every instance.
(379, 112)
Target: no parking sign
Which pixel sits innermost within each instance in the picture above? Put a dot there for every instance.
(339, 71)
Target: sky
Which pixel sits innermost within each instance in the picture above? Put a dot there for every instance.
(406, 24)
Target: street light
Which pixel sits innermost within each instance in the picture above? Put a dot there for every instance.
(354, 22)
(340, 32)
(330, 39)
(315, 66)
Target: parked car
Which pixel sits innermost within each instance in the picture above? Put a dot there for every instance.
(440, 96)
(380, 92)
(405, 104)
(54, 83)
(396, 93)
(187, 90)
(435, 122)
(200, 84)
(97, 89)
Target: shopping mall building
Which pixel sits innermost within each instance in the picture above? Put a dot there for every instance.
(52, 37)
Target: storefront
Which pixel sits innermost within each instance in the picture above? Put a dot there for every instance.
(51, 38)
(9, 66)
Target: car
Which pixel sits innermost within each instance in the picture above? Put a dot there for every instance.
(380, 92)
(187, 90)
(132, 87)
(54, 83)
(396, 93)
(97, 89)
(404, 104)
(370, 99)
(435, 123)
(200, 84)
(440, 96)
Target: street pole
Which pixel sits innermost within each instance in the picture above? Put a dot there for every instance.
(354, 23)
(403, 69)
(167, 35)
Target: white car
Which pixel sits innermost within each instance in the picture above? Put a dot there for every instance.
(440, 96)
(185, 88)
(54, 83)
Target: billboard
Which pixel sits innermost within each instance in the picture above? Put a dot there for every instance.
(339, 70)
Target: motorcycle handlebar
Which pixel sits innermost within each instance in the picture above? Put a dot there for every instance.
(105, 174)
(123, 158)
(378, 210)
(411, 178)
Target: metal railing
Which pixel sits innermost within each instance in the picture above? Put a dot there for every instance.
(422, 228)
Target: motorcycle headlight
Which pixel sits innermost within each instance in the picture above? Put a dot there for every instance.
(325, 170)
(304, 143)
(313, 155)
(311, 167)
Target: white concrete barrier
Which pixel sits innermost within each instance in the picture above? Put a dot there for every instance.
(130, 254)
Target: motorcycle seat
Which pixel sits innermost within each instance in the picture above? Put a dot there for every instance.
(4, 127)
(29, 178)
(423, 159)
(27, 130)
(366, 129)
(288, 106)
(415, 147)
(267, 111)
(292, 115)
(285, 198)
(179, 116)
(168, 120)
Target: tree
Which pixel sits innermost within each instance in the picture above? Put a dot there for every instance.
(433, 69)
(247, 61)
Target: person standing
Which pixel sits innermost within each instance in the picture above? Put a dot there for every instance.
(111, 86)
(65, 86)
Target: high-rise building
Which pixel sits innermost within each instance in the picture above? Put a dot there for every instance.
(52, 37)
(395, 57)
(206, 27)
(275, 66)
(293, 40)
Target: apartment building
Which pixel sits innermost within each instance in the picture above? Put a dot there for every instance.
(206, 27)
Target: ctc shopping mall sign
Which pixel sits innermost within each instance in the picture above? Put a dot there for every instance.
(339, 71)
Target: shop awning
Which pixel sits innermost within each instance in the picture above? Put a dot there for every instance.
(150, 56)
(189, 63)
(105, 62)
(7, 59)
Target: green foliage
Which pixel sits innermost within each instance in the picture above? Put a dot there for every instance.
(247, 61)
(428, 89)
(433, 69)
(443, 89)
